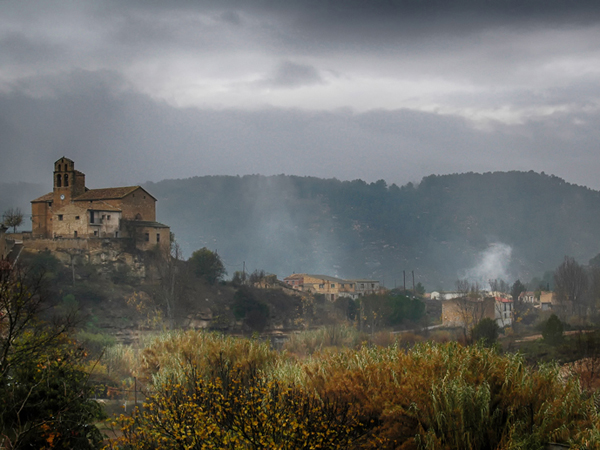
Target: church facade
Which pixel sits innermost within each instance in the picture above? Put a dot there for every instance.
(72, 210)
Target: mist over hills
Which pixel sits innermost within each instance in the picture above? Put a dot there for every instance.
(480, 226)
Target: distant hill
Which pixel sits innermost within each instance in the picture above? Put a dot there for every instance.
(501, 224)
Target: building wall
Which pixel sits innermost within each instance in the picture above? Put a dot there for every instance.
(41, 215)
(504, 313)
(139, 202)
(148, 238)
(467, 313)
(69, 221)
(366, 287)
(106, 223)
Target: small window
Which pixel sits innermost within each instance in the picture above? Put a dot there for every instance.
(147, 237)
(50, 204)
(76, 217)
(58, 181)
(60, 217)
(95, 232)
(59, 168)
(116, 234)
(332, 285)
(157, 237)
(66, 180)
(108, 217)
(144, 197)
(74, 233)
(321, 286)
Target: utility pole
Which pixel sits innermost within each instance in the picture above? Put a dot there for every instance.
(404, 277)
(413, 275)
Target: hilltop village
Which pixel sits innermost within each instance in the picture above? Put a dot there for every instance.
(127, 318)
(114, 229)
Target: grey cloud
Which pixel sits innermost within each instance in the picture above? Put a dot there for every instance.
(118, 136)
(290, 75)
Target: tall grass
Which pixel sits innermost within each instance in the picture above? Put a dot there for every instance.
(311, 341)
(430, 396)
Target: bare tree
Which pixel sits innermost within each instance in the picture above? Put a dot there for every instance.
(519, 307)
(13, 217)
(498, 285)
(170, 288)
(570, 284)
(470, 307)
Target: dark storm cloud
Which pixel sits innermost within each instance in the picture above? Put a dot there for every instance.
(378, 8)
(289, 75)
(145, 90)
(122, 137)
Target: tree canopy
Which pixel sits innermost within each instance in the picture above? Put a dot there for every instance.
(44, 390)
(13, 217)
(207, 265)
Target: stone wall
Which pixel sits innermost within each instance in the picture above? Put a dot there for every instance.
(107, 254)
(139, 202)
(460, 312)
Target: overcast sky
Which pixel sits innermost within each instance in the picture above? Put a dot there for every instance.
(144, 90)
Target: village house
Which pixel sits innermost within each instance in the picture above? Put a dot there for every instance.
(331, 287)
(73, 211)
(467, 312)
(527, 297)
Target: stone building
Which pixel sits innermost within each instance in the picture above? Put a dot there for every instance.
(331, 287)
(72, 210)
(467, 312)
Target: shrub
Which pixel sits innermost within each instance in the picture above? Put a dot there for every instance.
(237, 407)
(487, 331)
(552, 330)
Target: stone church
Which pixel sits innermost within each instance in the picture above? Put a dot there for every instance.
(73, 211)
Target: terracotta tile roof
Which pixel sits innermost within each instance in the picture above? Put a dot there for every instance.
(108, 193)
(146, 223)
(326, 278)
(44, 198)
(296, 276)
(105, 207)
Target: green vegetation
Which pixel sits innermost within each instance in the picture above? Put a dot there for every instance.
(438, 225)
(44, 390)
(247, 306)
(223, 392)
(486, 330)
(207, 265)
(552, 330)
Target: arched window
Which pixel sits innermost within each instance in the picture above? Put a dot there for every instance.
(66, 179)
(58, 181)
(138, 216)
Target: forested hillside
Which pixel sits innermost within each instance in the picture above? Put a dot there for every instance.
(444, 228)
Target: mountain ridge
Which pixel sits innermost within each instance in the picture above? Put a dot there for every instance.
(441, 228)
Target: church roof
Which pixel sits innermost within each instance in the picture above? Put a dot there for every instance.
(147, 224)
(44, 198)
(109, 193)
